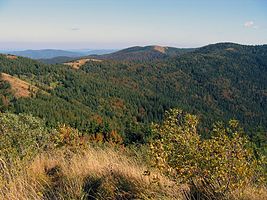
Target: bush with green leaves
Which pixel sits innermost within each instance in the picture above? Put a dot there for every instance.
(221, 163)
(21, 136)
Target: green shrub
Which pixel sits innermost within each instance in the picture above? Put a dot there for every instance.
(21, 136)
(218, 165)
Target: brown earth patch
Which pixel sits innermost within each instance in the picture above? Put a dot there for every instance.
(19, 87)
(78, 63)
(230, 49)
(160, 49)
(12, 57)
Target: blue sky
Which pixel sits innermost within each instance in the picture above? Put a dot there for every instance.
(76, 24)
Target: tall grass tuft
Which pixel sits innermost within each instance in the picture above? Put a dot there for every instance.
(91, 174)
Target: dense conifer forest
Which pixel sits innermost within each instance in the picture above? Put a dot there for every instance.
(217, 82)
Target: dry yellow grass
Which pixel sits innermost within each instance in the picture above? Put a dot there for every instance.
(19, 87)
(78, 63)
(251, 193)
(91, 174)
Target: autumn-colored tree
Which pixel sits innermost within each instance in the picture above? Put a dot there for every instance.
(67, 136)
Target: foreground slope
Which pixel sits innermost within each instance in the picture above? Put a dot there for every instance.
(38, 162)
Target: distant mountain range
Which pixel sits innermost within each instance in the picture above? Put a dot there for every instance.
(46, 53)
(137, 53)
(53, 53)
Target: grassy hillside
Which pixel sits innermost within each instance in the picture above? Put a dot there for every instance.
(18, 87)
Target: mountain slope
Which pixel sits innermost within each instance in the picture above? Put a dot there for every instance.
(57, 60)
(217, 82)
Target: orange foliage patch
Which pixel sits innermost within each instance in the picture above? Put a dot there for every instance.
(70, 137)
(97, 118)
(113, 138)
(118, 103)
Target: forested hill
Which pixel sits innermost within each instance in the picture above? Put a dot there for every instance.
(217, 82)
(147, 53)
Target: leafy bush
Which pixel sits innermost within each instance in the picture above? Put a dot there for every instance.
(21, 136)
(218, 165)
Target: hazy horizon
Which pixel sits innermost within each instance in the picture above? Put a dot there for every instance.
(115, 49)
(107, 24)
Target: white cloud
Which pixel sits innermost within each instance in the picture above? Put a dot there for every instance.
(75, 29)
(249, 24)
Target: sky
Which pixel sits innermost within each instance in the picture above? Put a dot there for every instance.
(113, 24)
